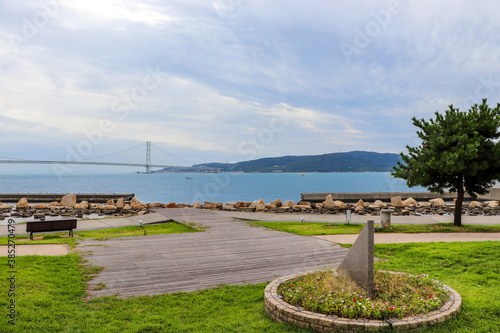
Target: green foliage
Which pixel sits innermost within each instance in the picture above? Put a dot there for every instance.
(354, 161)
(459, 150)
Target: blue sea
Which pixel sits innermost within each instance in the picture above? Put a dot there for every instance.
(221, 187)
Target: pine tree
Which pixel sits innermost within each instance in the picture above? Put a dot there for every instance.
(460, 152)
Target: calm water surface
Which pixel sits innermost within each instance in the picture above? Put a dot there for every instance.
(223, 187)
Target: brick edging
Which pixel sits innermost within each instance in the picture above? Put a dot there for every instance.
(281, 311)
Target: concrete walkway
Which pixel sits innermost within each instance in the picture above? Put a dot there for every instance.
(381, 238)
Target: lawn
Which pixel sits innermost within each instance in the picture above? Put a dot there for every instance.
(311, 229)
(101, 234)
(50, 291)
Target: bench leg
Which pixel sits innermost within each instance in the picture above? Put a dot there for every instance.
(71, 232)
(31, 235)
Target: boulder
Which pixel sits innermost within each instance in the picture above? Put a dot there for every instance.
(228, 207)
(126, 207)
(184, 205)
(22, 203)
(491, 203)
(410, 202)
(380, 203)
(110, 202)
(475, 204)
(438, 202)
(136, 204)
(302, 207)
(82, 205)
(397, 202)
(158, 205)
(304, 203)
(95, 206)
(209, 205)
(260, 206)
(359, 209)
(360, 203)
(270, 206)
(53, 204)
(424, 204)
(39, 206)
(69, 200)
(277, 203)
(119, 203)
(239, 204)
(196, 205)
(318, 206)
(328, 203)
(108, 207)
(169, 205)
(4, 206)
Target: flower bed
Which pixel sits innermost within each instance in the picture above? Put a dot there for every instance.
(301, 299)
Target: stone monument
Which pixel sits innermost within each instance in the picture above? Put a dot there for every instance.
(358, 264)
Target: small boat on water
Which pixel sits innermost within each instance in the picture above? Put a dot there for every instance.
(189, 178)
(302, 175)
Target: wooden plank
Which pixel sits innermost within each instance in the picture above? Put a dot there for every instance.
(229, 252)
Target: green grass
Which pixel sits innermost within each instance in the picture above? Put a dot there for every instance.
(101, 234)
(311, 229)
(50, 293)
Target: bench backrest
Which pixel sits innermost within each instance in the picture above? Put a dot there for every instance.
(54, 225)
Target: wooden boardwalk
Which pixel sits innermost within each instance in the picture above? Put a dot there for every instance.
(228, 252)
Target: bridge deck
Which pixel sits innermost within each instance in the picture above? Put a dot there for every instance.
(229, 252)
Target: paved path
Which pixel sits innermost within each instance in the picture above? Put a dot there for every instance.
(418, 237)
(37, 249)
(229, 252)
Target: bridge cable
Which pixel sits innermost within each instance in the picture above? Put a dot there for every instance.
(168, 153)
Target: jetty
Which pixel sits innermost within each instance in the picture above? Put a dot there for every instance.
(49, 197)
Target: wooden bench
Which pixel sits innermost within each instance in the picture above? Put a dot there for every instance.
(54, 225)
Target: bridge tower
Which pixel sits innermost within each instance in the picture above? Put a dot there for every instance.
(148, 156)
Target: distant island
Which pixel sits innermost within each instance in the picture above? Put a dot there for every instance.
(354, 161)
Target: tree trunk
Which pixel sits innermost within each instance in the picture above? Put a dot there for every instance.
(457, 216)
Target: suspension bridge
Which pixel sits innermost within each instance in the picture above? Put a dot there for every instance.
(148, 165)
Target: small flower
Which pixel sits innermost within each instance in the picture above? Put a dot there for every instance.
(392, 308)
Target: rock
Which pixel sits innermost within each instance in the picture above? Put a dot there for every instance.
(53, 204)
(318, 206)
(39, 206)
(110, 202)
(475, 204)
(277, 203)
(260, 206)
(126, 207)
(270, 206)
(397, 202)
(209, 205)
(184, 205)
(119, 203)
(380, 203)
(196, 205)
(82, 205)
(289, 204)
(159, 205)
(239, 204)
(438, 202)
(360, 203)
(359, 209)
(108, 207)
(374, 207)
(170, 205)
(69, 200)
(228, 207)
(136, 204)
(491, 203)
(328, 203)
(304, 203)
(23, 203)
(302, 207)
(424, 204)
(95, 206)
(4, 206)
(410, 202)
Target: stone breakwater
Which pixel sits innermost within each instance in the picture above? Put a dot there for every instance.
(68, 206)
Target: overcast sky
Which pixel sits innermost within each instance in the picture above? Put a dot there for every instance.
(233, 80)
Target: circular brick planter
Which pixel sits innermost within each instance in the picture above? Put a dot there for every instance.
(281, 311)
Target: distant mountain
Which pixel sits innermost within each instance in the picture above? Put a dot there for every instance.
(354, 161)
